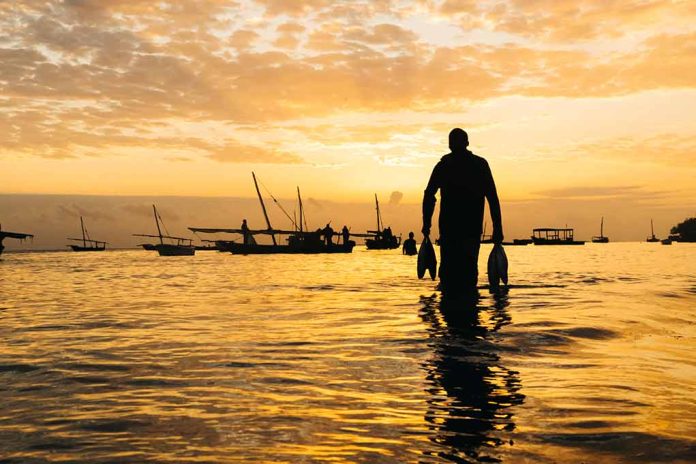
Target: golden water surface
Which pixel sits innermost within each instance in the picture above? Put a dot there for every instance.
(124, 356)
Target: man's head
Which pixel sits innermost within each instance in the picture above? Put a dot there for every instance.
(458, 140)
(410, 235)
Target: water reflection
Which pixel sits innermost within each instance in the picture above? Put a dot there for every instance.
(471, 392)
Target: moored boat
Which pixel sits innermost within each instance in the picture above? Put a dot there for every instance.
(652, 238)
(297, 241)
(553, 236)
(180, 246)
(15, 235)
(381, 239)
(600, 238)
(87, 243)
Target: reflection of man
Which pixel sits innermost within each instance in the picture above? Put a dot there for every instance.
(464, 181)
(409, 247)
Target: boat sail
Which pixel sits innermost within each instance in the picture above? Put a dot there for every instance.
(382, 238)
(87, 243)
(600, 238)
(652, 238)
(299, 240)
(182, 246)
(15, 235)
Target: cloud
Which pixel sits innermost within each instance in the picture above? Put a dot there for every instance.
(76, 211)
(395, 198)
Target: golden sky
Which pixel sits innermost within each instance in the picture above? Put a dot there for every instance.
(566, 99)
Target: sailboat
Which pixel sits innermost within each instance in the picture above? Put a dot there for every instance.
(299, 240)
(7, 234)
(486, 238)
(601, 238)
(382, 238)
(652, 238)
(182, 246)
(87, 243)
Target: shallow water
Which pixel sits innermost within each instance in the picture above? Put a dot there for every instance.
(124, 356)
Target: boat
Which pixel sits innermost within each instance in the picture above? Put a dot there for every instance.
(16, 235)
(181, 246)
(600, 238)
(666, 241)
(652, 238)
(298, 241)
(209, 245)
(87, 243)
(552, 236)
(518, 242)
(382, 238)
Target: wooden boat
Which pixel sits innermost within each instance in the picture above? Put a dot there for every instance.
(15, 235)
(87, 243)
(552, 236)
(652, 238)
(181, 247)
(382, 238)
(666, 241)
(518, 242)
(297, 241)
(600, 238)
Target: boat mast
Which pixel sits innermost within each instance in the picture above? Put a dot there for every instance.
(159, 231)
(379, 219)
(652, 231)
(601, 228)
(263, 207)
(82, 224)
(299, 201)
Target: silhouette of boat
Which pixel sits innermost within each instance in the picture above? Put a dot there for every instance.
(600, 238)
(87, 243)
(16, 235)
(518, 242)
(486, 238)
(211, 246)
(552, 236)
(382, 238)
(652, 238)
(666, 241)
(298, 241)
(182, 247)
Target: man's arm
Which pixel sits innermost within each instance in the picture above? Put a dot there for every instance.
(429, 199)
(494, 206)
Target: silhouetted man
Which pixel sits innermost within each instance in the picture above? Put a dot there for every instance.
(410, 247)
(464, 181)
(245, 232)
(328, 234)
(346, 234)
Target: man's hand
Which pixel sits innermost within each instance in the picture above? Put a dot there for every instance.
(426, 230)
(497, 236)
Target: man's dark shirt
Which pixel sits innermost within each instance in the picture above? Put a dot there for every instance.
(464, 180)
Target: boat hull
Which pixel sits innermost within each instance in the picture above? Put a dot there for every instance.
(600, 239)
(82, 248)
(382, 244)
(242, 249)
(174, 250)
(2, 247)
(557, 242)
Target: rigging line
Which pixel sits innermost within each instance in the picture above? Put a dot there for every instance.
(278, 203)
(163, 224)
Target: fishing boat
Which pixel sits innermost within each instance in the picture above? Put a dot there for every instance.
(297, 241)
(518, 242)
(180, 246)
(552, 236)
(382, 238)
(600, 238)
(87, 243)
(15, 235)
(652, 238)
(666, 241)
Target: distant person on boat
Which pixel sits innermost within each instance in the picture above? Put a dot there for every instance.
(410, 245)
(465, 181)
(245, 232)
(346, 234)
(328, 234)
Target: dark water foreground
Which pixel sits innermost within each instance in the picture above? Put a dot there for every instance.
(128, 357)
